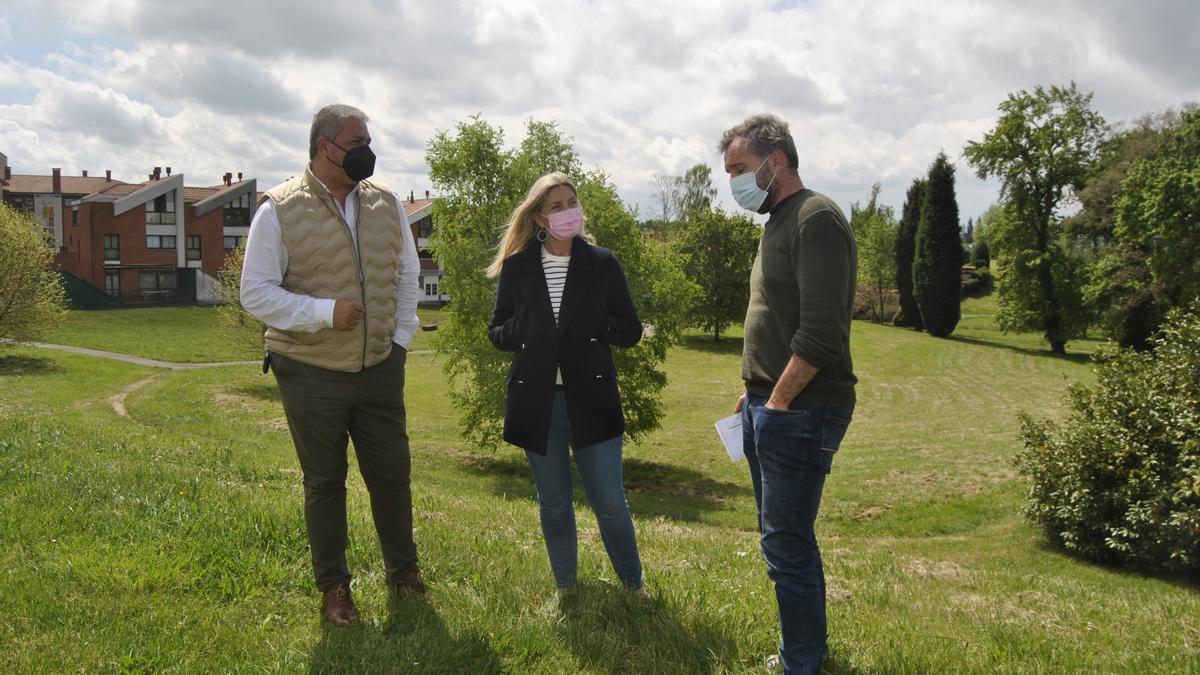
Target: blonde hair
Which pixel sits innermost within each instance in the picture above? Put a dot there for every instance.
(520, 229)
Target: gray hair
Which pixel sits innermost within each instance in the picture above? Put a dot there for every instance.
(327, 123)
(765, 133)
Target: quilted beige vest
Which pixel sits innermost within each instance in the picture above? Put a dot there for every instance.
(324, 263)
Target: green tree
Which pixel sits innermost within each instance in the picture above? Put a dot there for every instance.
(1040, 150)
(1159, 211)
(937, 269)
(32, 300)
(479, 182)
(981, 249)
(235, 323)
(695, 191)
(875, 231)
(909, 314)
(1120, 294)
(717, 250)
(980, 255)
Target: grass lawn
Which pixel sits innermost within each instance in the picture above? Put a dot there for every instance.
(172, 538)
(176, 334)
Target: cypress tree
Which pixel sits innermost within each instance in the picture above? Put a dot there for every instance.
(937, 270)
(906, 238)
(980, 257)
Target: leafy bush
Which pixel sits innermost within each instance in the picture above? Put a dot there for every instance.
(1119, 479)
(979, 283)
(32, 299)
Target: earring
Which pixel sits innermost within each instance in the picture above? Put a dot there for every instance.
(542, 235)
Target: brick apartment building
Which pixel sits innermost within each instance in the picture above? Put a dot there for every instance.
(420, 217)
(159, 241)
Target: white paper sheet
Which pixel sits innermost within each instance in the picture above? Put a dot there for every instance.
(730, 431)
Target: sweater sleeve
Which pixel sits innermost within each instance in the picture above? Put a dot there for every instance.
(821, 254)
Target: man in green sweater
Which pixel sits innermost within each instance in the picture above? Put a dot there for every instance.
(796, 363)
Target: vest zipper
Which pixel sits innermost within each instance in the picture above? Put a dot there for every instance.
(362, 287)
(362, 279)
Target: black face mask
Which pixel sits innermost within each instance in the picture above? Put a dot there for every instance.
(359, 163)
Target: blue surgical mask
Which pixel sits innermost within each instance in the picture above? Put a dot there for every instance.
(746, 191)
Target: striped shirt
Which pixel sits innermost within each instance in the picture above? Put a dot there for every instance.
(555, 267)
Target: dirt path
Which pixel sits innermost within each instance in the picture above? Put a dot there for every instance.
(118, 399)
(170, 365)
(136, 359)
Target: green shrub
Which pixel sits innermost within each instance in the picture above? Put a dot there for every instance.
(978, 284)
(32, 299)
(1119, 479)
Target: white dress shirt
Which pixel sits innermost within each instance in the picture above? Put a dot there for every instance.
(266, 262)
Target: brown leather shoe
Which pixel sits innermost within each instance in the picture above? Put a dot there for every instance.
(338, 607)
(410, 581)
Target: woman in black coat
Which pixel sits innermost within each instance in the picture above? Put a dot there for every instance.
(560, 304)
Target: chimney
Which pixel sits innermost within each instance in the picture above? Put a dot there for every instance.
(427, 194)
(168, 172)
(228, 178)
(56, 181)
(410, 197)
(85, 173)
(108, 174)
(239, 176)
(157, 173)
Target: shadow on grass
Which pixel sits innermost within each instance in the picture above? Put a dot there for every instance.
(18, 365)
(413, 639)
(652, 488)
(1182, 580)
(614, 631)
(263, 391)
(704, 343)
(1043, 353)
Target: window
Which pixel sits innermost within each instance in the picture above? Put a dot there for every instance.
(193, 247)
(431, 288)
(233, 242)
(20, 202)
(161, 211)
(112, 283)
(237, 212)
(75, 217)
(424, 254)
(112, 247)
(156, 281)
(425, 226)
(160, 241)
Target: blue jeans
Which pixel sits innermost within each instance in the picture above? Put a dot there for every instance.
(789, 453)
(600, 468)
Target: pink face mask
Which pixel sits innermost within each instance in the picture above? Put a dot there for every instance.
(566, 224)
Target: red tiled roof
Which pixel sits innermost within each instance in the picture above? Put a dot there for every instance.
(411, 207)
(119, 188)
(71, 185)
(192, 195)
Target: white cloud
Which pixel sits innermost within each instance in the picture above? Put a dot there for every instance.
(873, 90)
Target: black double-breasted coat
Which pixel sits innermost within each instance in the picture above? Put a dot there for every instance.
(596, 311)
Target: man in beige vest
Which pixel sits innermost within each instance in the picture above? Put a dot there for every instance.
(331, 268)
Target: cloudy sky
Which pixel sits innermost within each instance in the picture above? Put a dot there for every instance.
(873, 90)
